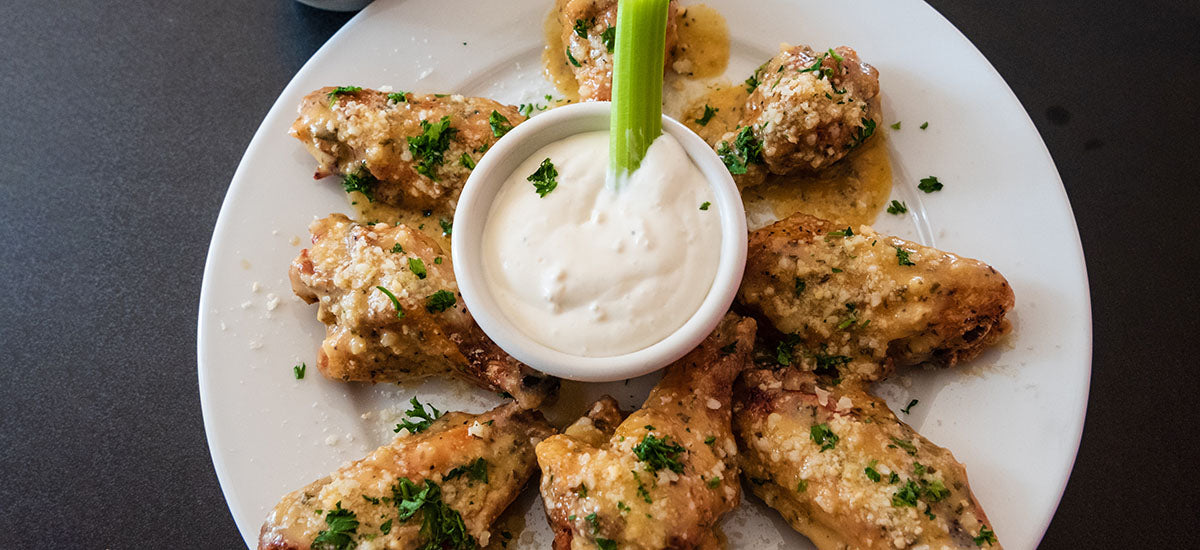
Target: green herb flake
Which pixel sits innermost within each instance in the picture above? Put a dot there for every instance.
(398, 97)
(440, 301)
(704, 205)
(714, 483)
(847, 232)
(341, 527)
(429, 147)
(447, 227)
(424, 417)
(799, 285)
(385, 527)
(862, 133)
(658, 454)
(572, 59)
(823, 436)
(475, 471)
(609, 37)
(710, 439)
(924, 125)
(752, 82)
(907, 446)
(417, 267)
(785, 349)
(897, 207)
(467, 161)
(871, 472)
(918, 469)
(746, 150)
(545, 178)
(902, 257)
(986, 536)
(392, 297)
(581, 27)
(896, 126)
(397, 249)
(906, 496)
(802, 486)
(499, 123)
(894, 479)
(622, 506)
(442, 527)
(341, 90)
(438, 260)
(930, 184)
(707, 116)
(911, 404)
(362, 181)
(935, 491)
(298, 371)
(606, 544)
(836, 270)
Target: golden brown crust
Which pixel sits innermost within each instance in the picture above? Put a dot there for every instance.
(848, 302)
(879, 485)
(351, 130)
(368, 341)
(594, 73)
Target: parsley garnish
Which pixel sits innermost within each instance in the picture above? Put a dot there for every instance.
(896, 126)
(847, 232)
(398, 97)
(902, 257)
(581, 27)
(710, 439)
(908, 409)
(827, 365)
(935, 491)
(397, 249)
(707, 116)
(871, 472)
(930, 184)
(467, 161)
(438, 260)
(360, 180)
(659, 453)
(298, 370)
(704, 205)
(924, 125)
(907, 446)
(417, 267)
(333, 96)
(783, 352)
(499, 123)
(746, 150)
(862, 133)
(714, 483)
(385, 527)
(985, 536)
(897, 207)
(431, 145)
(342, 527)
(823, 436)
(609, 37)
(425, 417)
(906, 496)
(918, 469)
(476, 471)
(752, 82)
(641, 489)
(800, 285)
(392, 297)
(606, 544)
(572, 59)
(447, 227)
(802, 486)
(442, 527)
(544, 179)
(440, 301)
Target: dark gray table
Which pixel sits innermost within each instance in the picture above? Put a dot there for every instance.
(121, 124)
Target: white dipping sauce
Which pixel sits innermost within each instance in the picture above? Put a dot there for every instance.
(594, 271)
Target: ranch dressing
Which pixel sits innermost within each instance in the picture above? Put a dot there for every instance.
(598, 270)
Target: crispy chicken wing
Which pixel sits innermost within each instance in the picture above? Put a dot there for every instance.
(400, 149)
(440, 488)
(855, 304)
(845, 472)
(412, 327)
(807, 111)
(663, 477)
(589, 32)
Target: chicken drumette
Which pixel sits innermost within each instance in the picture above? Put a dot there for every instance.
(589, 29)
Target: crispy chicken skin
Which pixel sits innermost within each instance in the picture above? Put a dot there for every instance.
(594, 73)
(865, 303)
(348, 132)
(808, 111)
(504, 438)
(664, 477)
(366, 340)
(845, 472)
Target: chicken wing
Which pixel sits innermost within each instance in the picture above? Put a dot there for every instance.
(845, 472)
(388, 298)
(399, 148)
(805, 112)
(855, 304)
(439, 488)
(663, 477)
(589, 29)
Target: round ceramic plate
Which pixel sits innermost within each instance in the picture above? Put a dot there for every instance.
(1013, 416)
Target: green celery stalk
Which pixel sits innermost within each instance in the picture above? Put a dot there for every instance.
(637, 82)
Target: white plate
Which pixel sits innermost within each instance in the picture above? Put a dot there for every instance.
(1013, 416)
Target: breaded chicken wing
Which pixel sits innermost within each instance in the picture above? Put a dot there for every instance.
(855, 304)
(440, 488)
(663, 477)
(589, 30)
(397, 148)
(388, 298)
(807, 110)
(845, 472)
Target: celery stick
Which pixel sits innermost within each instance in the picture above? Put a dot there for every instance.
(637, 82)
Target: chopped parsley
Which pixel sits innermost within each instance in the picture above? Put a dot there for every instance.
(385, 527)
(896, 126)
(298, 371)
(862, 133)
(609, 37)
(398, 97)
(362, 181)
(440, 301)
(467, 161)
(641, 489)
(935, 491)
(906, 496)
(918, 469)
(417, 267)
(447, 227)
(704, 205)
(545, 178)
(902, 257)
(342, 526)
(714, 483)
(894, 479)
(710, 439)
(572, 59)
(397, 249)
(924, 125)
(582, 26)
(871, 472)
(499, 123)
(659, 453)
(431, 145)
(707, 116)
(425, 417)
(847, 232)
(475, 471)
(746, 150)
(392, 297)
(823, 436)
(821, 71)
(582, 492)
(606, 544)
(802, 486)
(593, 521)
(800, 285)
(908, 409)
(907, 446)
(752, 82)
(897, 207)
(442, 527)
(438, 260)
(985, 536)
(783, 351)
(930, 184)
(333, 96)
(827, 365)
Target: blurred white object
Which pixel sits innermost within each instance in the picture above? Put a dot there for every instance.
(337, 5)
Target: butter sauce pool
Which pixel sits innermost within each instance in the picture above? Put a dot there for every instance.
(598, 270)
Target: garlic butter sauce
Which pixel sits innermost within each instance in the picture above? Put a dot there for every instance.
(597, 270)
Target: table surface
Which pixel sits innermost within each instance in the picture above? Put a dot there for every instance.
(124, 122)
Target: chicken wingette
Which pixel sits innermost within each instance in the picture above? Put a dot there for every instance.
(844, 471)
(390, 303)
(439, 488)
(400, 148)
(854, 304)
(589, 30)
(665, 476)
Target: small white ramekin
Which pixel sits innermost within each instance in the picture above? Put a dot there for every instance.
(471, 217)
